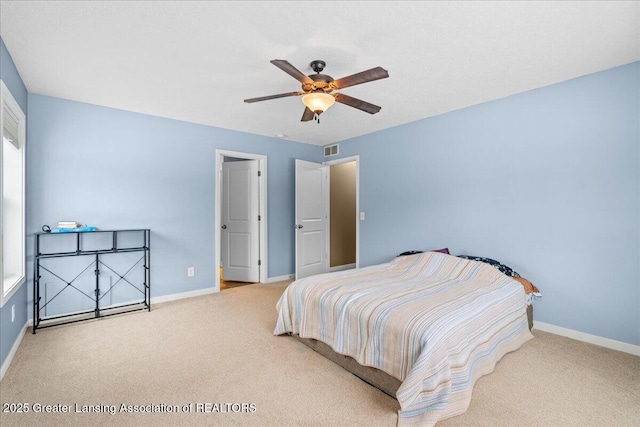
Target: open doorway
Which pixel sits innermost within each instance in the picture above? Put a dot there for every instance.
(342, 215)
(240, 219)
(344, 212)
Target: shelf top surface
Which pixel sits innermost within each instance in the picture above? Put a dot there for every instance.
(90, 232)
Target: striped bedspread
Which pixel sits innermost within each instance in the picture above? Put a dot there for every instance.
(435, 322)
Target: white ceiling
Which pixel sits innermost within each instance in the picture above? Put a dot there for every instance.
(197, 61)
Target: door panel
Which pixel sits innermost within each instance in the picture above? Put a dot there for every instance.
(239, 250)
(239, 193)
(240, 242)
(312, 201)
(312, 209)
(312, 248)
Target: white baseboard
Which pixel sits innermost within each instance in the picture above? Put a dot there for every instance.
(342, 267)
(182, 295)
(12, 352)
(588, 338)
(158, 300)
(280, 278)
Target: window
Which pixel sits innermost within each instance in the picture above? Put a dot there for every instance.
(12, 188)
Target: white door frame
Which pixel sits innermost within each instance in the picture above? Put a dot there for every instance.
(262, 162)
(337, 162)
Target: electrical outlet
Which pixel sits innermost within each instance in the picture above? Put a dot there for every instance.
(191, 271)
(13, 313)
(361, 216)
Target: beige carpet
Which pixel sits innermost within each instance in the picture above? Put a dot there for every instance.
(220, 349)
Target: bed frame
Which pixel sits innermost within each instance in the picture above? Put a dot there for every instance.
(377, 378)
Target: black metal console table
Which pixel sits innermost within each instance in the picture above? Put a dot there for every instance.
(80, 248)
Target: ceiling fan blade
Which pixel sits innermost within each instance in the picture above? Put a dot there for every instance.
(280, 95)
(307, 115)
(356, 103)
(291, 70)
(363, 77)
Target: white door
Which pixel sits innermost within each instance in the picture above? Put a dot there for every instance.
(312, 209)
(240, 235)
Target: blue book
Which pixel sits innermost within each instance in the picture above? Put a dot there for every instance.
(72, 230)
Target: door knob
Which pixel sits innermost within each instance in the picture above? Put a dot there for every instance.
(224, 226)
(299, 226)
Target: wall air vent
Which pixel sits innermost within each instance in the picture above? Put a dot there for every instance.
(331, 150)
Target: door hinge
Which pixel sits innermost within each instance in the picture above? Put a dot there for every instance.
(259, 173)
(259, 262)
(259, 218)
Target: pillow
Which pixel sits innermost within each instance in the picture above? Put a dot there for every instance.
(503, 268)
(529, 288)
(443, 251)
(410, 253)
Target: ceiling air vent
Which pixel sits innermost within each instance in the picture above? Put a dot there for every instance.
(331, 150)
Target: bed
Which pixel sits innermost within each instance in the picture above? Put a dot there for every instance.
(423, 327)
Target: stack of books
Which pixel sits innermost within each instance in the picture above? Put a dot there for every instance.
(71, 226)
(68, 224)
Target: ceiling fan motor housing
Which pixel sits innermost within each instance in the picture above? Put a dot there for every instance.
(320, 82)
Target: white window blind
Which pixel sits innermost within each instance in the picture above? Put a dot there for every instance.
(10, 127)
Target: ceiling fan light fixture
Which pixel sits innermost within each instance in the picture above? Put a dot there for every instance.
(318, 102)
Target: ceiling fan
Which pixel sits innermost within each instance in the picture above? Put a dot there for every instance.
(317, 88)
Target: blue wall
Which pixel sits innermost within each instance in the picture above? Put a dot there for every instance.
(9, 331)
(116, 169)
(546, 181)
